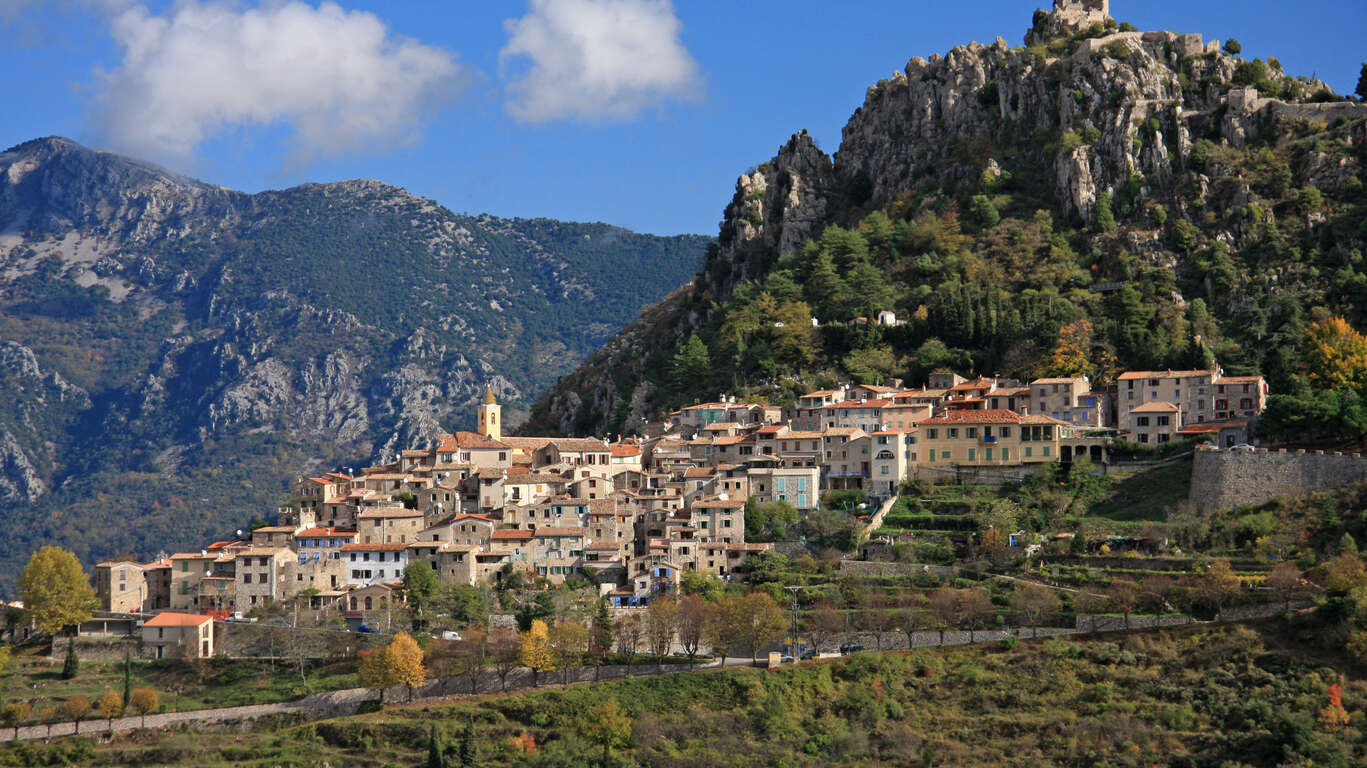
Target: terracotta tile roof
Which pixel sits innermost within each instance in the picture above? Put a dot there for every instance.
(530, 479)
(191, 556)
(388, 512)
(842, 432)
(858, 404)
(566, 531)
(719, 504)
(112, 563)
(1128, 375)
(1056, 380)
(359, 547)
(1238, 379)
(1039, 418)
(579, 444)
(979, 383)
(622, 451)
(699, 472)
(274, 529)
(335, 533)
(512, 534)
(168, 619)
(602, 506)
(796, 435)
(718, 426)
(1158, 406)
(527, 443)
(468, 440)
(481, 518)
(997, 416)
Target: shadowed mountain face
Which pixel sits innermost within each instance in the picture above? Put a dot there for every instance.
(1171, 203)
(172, 353)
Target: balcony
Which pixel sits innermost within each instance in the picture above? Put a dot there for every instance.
(847, 473)
(989, 439)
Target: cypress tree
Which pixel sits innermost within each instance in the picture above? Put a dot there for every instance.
(127, 677)
(469, 748)
(72, 664)
(434, 755)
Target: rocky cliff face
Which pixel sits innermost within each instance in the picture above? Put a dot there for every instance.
(179, 351)
(1088, 110)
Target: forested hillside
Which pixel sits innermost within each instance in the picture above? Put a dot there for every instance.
(174, 353)
(1099, 199)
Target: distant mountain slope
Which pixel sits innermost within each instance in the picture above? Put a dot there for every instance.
(1189, 204)
(173, 352)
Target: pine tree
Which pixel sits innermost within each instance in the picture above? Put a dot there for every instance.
(1362, 84)
(1105, 215)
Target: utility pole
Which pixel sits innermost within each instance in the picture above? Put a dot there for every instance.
(794, 590)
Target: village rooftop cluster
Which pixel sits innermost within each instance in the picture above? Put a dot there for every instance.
(633, 515)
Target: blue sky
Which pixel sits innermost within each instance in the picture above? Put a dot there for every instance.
(639, 113)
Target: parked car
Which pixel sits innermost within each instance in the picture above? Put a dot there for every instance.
(848, 648)
(451, 636)
(367, 630)
(810, 653)
(785, 659)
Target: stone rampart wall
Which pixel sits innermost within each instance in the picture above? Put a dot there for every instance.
(1221, 479)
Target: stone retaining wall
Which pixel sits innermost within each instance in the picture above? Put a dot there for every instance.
(1221, 479)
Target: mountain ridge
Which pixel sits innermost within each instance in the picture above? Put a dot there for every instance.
(1191, 151)
(181, 350)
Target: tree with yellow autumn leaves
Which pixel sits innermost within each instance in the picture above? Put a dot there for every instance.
(399, 663)
(536, 650)
(1334, 355)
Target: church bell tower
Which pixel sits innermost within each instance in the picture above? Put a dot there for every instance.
(488, 415)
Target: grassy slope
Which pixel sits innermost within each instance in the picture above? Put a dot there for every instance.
(32, 678)
(1193, 697)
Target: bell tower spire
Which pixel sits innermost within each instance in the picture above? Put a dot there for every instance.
(488, 416)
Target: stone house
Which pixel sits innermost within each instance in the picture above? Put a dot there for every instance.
(389, 525)
(259, 576)
(772, 481)
(1239, 397)
(120, 586)
(1155, 423)
(157, 576)
(557, 552)
(188, 569)
(1193, 392)
(1068, 399)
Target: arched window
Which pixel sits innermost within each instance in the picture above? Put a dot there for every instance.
(367, 603)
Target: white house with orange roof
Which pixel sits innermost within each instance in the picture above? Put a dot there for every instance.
(371, 563)
(172, 635)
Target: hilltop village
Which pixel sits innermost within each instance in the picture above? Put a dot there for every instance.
(635, 514)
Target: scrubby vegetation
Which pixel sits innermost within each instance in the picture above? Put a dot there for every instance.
(1229, 696)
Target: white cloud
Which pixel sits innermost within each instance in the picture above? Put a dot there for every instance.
(597, 59)
(338, 78)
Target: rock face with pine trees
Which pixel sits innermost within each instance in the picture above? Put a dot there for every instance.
(173, 352)
(1191, 205)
